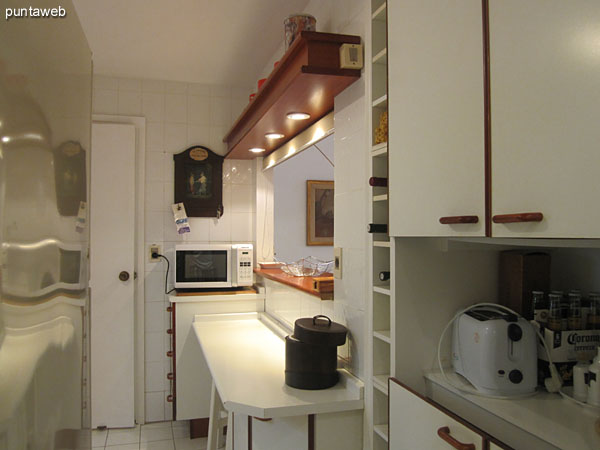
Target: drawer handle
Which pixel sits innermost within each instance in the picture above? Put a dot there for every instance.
(262, 420)
(169, 309)
(170, 376)
(451, 220)
(170, 354)
(170, 398)
(444, 433)
(170, 331)
(519, 217)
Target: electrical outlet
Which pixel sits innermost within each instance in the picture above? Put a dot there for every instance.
(153, 248)
(337, 262)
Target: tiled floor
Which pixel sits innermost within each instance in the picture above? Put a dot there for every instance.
(153, 436)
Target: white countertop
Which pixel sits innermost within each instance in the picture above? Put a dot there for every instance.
(246, 357)
(549, 417)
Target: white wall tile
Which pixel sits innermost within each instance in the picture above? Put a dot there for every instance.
(105, 82)
(216, 144)
(155, 135)
(220, 111)
(168, 416)
(220, 91)
(198, 110)
(153, 106)
(350, 219)
(175, 108)
(154, 313)
(242, 198)
(198, 89)
(220, 229)
(227, 206)
(130, 103)
(130, 84)
(168, 168)
(199, 227)
(153, 226)
(198, 135)
(105, 101)
(155, 409)
(170, 229)
(175, 87)
(242, 227)
(154, 166)
(154, 196)
(154, 286)
(168, 196)
(153, 86)
(240, 171)
(154, 346)
(175, 137)
(154, 377)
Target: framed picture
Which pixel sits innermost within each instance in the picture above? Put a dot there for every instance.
(319, 212)
(199, 182)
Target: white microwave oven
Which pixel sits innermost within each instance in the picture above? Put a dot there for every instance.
(200, 266)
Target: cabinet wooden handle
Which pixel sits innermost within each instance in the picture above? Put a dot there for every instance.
(170, 399)
(519, 217)
(444, 433)
(170, 331)
(451, 220)
(170, 353)
(170, 376)
(169, 309)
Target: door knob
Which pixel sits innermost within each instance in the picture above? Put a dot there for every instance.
(124, 276)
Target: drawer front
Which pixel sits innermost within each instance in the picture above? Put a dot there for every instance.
(417, 423)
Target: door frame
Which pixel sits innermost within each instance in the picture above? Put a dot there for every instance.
(140, 263)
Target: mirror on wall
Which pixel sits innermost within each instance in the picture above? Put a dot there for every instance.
(303, 200)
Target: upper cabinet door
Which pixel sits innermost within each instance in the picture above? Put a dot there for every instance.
(436, 117)
(545, 97)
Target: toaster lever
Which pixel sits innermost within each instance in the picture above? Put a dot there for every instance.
(515, 333)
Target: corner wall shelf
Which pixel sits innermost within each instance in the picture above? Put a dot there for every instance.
(307, 79)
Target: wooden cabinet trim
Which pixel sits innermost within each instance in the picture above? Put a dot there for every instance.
(487, 121)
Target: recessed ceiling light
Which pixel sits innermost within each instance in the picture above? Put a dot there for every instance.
(274, 135)
(298, 116)
(257, 150)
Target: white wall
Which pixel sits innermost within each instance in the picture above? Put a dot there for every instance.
(289, 179)
(178, 115)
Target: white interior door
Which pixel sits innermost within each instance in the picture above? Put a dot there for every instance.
(112, 221)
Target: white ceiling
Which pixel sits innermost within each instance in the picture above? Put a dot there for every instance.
(206, 41)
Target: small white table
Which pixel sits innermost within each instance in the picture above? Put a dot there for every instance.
(246, 357)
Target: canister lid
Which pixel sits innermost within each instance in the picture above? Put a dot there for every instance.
(320, 330)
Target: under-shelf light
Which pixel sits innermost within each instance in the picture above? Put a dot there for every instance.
(274, 135)
(298, 116)
(257, 150)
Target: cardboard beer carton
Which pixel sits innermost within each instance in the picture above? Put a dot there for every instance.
(566, 348)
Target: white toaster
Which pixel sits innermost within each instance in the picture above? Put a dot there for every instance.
(496, 351)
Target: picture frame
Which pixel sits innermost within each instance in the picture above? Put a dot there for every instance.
(319, 212)
(199, 181)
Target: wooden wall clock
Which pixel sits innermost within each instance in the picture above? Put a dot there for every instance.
(199, 181)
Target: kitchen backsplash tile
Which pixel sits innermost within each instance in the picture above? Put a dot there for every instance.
(175, 137)
(198, 110)
(153, 106)
(105, 101)
(130, 84)
(155, 406)
(154, 346)
(157, 86)
(155, 135)
(129, 103)
(176, 87)
(176, 108)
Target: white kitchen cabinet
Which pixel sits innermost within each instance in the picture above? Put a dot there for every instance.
(545, 97)
(419, 423)
(191, 377)
(436, 117)
(535, 159)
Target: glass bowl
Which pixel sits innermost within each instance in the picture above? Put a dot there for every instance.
(307, 267)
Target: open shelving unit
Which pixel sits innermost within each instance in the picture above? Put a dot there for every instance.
(382, 248)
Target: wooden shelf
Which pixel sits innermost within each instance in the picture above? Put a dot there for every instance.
(383, 335)
(385, 290)
(307, 79)
(382, 431)
(381, 57)
(379, 13)
(381, 383)
(379, 149)
(380, 102)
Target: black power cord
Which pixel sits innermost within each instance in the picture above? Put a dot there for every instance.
(158, 255)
